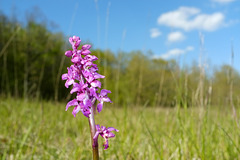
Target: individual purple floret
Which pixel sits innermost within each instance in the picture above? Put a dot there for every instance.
(105, 133)
(83, 76)
(103, 98)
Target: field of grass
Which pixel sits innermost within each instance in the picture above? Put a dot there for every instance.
(43, 130)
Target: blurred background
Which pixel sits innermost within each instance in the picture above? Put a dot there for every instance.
(140, 47)
(163, 56)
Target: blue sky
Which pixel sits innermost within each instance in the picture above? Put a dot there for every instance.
(170, 29)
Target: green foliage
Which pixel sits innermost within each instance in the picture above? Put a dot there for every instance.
(221, 83)
(33, 51)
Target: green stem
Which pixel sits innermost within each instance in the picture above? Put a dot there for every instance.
(93, 131)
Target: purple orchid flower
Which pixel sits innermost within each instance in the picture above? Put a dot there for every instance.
(103, 98)
(82, 75)
(105, 133)
(69, 77)
(75, 42)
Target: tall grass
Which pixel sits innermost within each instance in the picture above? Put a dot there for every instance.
(43, 130)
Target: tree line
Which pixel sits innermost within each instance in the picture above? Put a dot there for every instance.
(32, 61)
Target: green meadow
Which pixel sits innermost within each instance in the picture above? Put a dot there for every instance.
(44, 130)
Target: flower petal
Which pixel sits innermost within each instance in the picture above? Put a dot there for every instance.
(111, 135)
(86, 46)
(76, 110)
(69, 82)
(64, 76)
(85, 52)
(98, 127)
(70, 40)
(112, 129)
(76, 88)
(68, 53)
(87, 102)
(91, 58)
(104, 92)
(92, 91)
(87, 64)
(106, 144)
(73, 102)
(86, 112)
(103, 128)
(99, 107)
(96, 75)
(94, 68)
(76, 59)
(81, 96)
(106, 99)
(96, 83)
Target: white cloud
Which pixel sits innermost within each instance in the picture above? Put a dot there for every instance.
(189, 48)
(190, 18)
(223, 1)
(154, 33)
(175, 37)
(176, 52)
